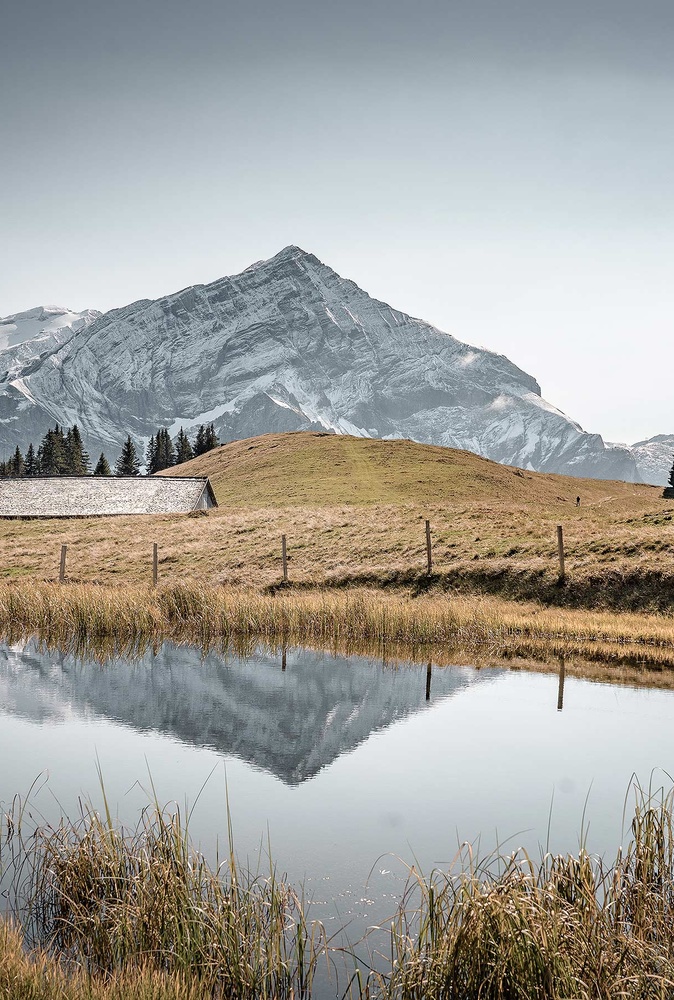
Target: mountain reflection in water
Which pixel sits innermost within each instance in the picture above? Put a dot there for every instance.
(290, 714)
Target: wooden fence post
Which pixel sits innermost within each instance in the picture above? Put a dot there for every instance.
(560, 550)
(155, 565)
(429, 670)
(284, 555)
(62, 567)
(429, 551)
(283, 659)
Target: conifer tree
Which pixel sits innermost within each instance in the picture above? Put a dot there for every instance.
(151, 456)
(200, 441)
(17, 463)
(102, 467)
(165, 455)
(211, 438)
(671, 476)
(31, 466)
(77, 460)
(127, 463)
(52, 452)
(183, 448)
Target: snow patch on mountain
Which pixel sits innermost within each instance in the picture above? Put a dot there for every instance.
(23, 326)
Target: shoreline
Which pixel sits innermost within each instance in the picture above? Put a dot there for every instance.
(116, 620)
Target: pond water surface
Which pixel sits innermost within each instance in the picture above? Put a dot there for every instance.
(352, 768)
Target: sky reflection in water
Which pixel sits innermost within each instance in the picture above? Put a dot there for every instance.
(341, 761)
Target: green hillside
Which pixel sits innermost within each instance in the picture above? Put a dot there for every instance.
(314, 469)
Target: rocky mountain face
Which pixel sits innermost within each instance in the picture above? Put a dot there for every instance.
(654, 458)
(288, 344)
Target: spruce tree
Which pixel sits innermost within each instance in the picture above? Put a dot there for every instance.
(31, 467)
(183, 448)
(77, 459)
(17, 463)
(169, 450)
(127, 463)
(102, 467)
(151, 456)
(211, 438)
(53, 453)
(200, 441)
(165, 455)
(671, 476)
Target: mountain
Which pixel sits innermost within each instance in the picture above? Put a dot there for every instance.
(42, 321)
(291, 722)
(654, 458)
(288, 344)
(25, 336)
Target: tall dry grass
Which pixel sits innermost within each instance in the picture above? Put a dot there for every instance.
(106, 621)
(132, 904)
(138, 915)
(566, 928)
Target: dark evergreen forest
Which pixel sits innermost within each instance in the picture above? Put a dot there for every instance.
(61, 453)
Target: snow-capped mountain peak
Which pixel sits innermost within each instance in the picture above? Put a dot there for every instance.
(22, 326)
(289, 344)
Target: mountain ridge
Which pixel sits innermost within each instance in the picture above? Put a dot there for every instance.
(289, 344)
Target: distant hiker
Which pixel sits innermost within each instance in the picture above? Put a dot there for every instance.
(577, 501)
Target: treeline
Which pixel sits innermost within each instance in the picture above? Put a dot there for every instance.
(61, 453)
(162, 452)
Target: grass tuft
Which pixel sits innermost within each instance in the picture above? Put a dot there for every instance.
(109, 914)
(133, 904)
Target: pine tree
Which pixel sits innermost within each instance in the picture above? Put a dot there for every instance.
(77, 459)
(102, 467)
(183, 448)
(200, 441)
(127, 463)
(151, 456)
(53, 453)
(671, 476)
(165, 455)
(211, 438)
(31, 467)
(17, 463)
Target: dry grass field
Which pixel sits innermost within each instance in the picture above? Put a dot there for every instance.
(353, 511)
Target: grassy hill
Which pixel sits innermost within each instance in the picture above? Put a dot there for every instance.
(304, 468)
(353, 511)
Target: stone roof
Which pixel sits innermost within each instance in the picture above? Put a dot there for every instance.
(89, 496)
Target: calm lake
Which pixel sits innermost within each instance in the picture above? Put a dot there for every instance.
(343, 763)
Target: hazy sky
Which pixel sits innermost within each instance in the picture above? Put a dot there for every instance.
(502, 168)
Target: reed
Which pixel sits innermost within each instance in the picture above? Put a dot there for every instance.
(109, 621)
(139, 915)
(143, 905)
(567, 927)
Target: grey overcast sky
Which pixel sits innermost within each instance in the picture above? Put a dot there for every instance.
(502, 168)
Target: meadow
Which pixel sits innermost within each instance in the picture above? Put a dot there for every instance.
(354, 512)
